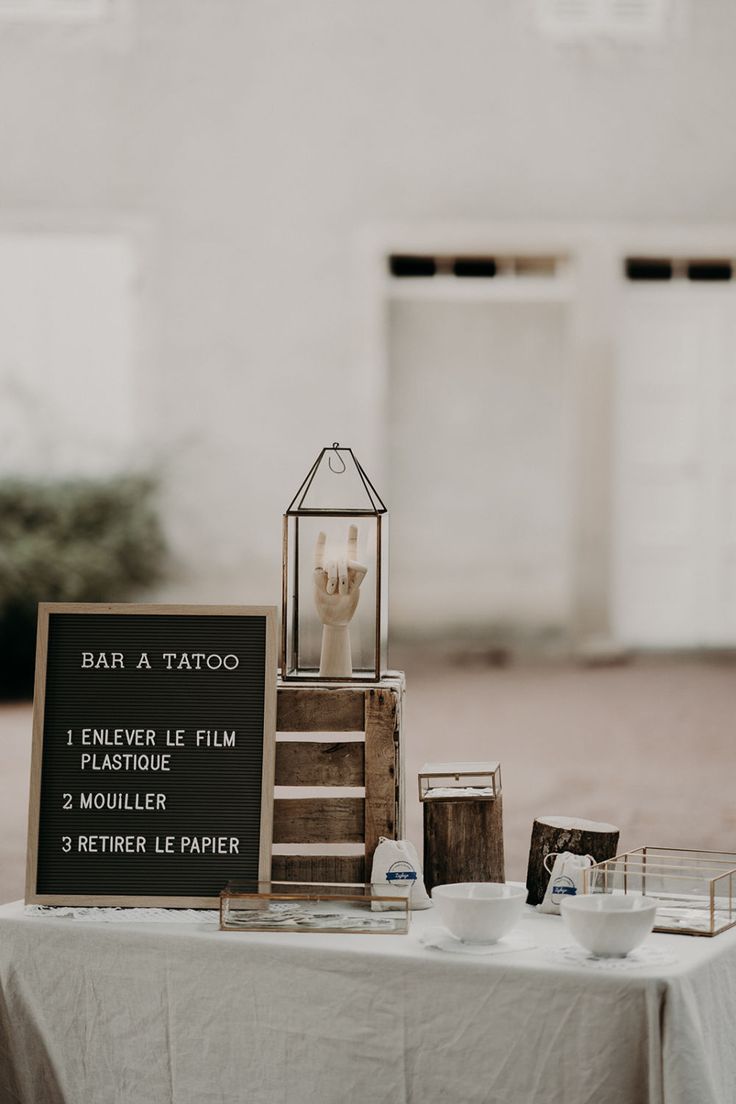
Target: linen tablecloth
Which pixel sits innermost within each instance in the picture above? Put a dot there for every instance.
(137, 1013)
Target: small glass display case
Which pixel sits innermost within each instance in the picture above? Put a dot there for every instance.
(451, 781)
(694, 889)
(278, 906)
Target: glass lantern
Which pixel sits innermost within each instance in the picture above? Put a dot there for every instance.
(334, 599)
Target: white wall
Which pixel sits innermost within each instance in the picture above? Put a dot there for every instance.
(255, 140)
(68, 356)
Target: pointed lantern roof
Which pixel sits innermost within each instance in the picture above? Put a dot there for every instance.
(336, 484)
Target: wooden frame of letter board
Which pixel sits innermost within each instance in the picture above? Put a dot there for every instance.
(269, 727)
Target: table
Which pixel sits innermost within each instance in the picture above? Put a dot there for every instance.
(173, 1013)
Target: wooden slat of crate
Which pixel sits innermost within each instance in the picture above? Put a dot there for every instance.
(301, 763)
(318, 868)
(320, 709)
(319, 820)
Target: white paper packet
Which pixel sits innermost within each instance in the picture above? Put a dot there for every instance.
(565, 880)
(396, 863)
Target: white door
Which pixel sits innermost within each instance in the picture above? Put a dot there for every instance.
(674, 560)
(480, 494)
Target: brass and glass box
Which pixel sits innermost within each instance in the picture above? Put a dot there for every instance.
(451, 781)
(347, 909)
(694, 890)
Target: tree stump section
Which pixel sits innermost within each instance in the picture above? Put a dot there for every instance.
(552, 834)
(463, 841)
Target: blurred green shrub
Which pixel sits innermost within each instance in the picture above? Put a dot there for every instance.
(77, 540)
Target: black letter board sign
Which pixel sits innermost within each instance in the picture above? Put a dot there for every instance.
(153, 753)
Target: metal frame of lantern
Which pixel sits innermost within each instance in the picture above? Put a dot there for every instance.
(293, 672)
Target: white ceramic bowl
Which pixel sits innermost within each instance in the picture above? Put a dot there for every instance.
(479, 912)
(609, 926)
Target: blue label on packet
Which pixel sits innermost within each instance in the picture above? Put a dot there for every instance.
(401, 876)
(563, 887)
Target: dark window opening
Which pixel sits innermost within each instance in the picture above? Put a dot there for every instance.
(648, 268)
(403, 265)
(474, 266)
(709, 270)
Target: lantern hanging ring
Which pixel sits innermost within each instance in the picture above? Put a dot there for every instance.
(336, 471)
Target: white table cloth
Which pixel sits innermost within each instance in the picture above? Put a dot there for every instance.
(138, 1013)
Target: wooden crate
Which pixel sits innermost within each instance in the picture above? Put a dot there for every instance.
(373, 761)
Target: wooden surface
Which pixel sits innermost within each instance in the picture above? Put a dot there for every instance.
(320, 709)
(381, 767)
(463, 841)
(269, 745)
(373, 762)
(319, 868)
(315, 764)
(548, 839)
(39, 708)
(319, 820)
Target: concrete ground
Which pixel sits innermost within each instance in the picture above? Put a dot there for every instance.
(649, 746)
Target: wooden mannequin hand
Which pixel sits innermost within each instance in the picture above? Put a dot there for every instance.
(337, 582)
(336, 592)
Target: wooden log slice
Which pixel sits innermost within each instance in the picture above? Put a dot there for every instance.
(552, 834)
